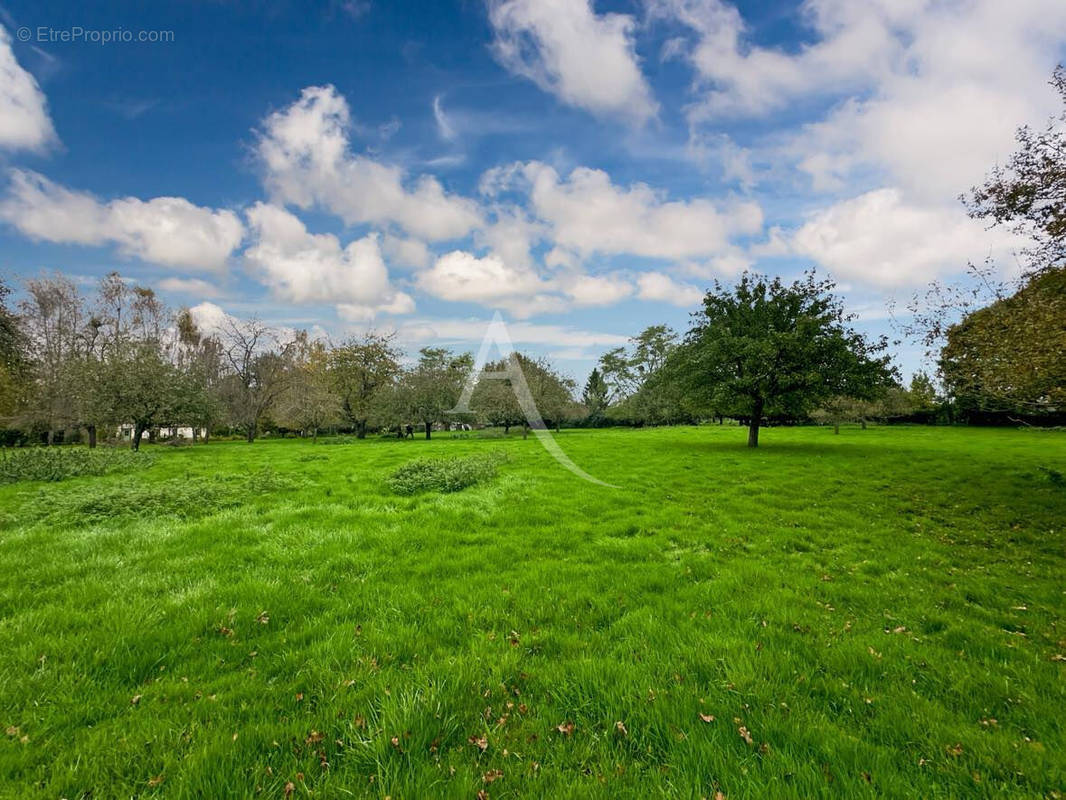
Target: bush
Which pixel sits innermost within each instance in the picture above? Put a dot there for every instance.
(60, 463)
(445, 474)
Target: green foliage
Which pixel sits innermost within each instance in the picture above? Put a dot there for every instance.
(60, 463)
(120, 502)
(1011, 355)
(445, 474)
(763, 347)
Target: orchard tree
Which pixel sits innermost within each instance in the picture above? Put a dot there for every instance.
(309, 401)
(764, 347)
(259, 369)
(433, 386)
(52, 318)
(361, 369)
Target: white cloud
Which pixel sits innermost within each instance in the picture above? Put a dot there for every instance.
(450, 331)
(460, 276)
(305, 153)
(304, 267)
(24, 120)
(584, 59)
(930, 93)
(209, 318)
(879, 239)
(169, 231)
(663, 288)
(406, 252)
(856, 41)
(594, 290)
(587, 213)
(191, 287)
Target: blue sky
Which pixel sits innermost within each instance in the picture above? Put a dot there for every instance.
(586, 168)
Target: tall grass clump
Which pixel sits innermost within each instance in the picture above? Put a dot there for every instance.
(445, 474)
(60, 463)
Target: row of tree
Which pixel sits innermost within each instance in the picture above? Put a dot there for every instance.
(122, 360)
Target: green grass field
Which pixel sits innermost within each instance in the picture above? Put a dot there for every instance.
(874, 614)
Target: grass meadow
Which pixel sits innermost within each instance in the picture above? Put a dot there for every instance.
(878, 613)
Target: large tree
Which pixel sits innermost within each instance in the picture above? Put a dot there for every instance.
(361, 369)
(764, 347)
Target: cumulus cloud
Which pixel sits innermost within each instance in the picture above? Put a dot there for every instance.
(460, 276)
(587, 213)
(663, 288)
(190, 287)
(452, 331)
(169, 231)
(307, 162)
(406, 252)
(930, 93)
(304, 267)
(879, 239)
(24, 120)
(586, 60)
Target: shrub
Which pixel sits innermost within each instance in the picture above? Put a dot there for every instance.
(60, 463)
(445, 474)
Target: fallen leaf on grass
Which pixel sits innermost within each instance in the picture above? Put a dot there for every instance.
(314, 738)
(153, 782)
(955, 750)
(707, 717)
(290, 787)
(135, 699)
(745, 734)
(621, 728)
(567, 728)
(263, 618)
(492, 775)
(480, 742)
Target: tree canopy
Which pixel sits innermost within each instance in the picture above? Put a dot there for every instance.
(764, 347)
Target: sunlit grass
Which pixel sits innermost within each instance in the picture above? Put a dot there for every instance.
(880, 611)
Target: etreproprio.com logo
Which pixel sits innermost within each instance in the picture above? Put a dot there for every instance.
(76, 34)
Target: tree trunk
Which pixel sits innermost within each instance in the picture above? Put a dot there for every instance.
(506, 428)
(753, 424)
(557, 426)
(92, 436)
(429, 428)
(862, 422)
(836, 429)
(360, 429)
(251, 433)
(207, 434)
(138, 431)
(525, 430)
(51, 437)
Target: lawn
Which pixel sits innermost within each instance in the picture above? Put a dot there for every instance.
(875, 613)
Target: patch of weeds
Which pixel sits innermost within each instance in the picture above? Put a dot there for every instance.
(445, 474)
(60, 463)
(181, 498)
